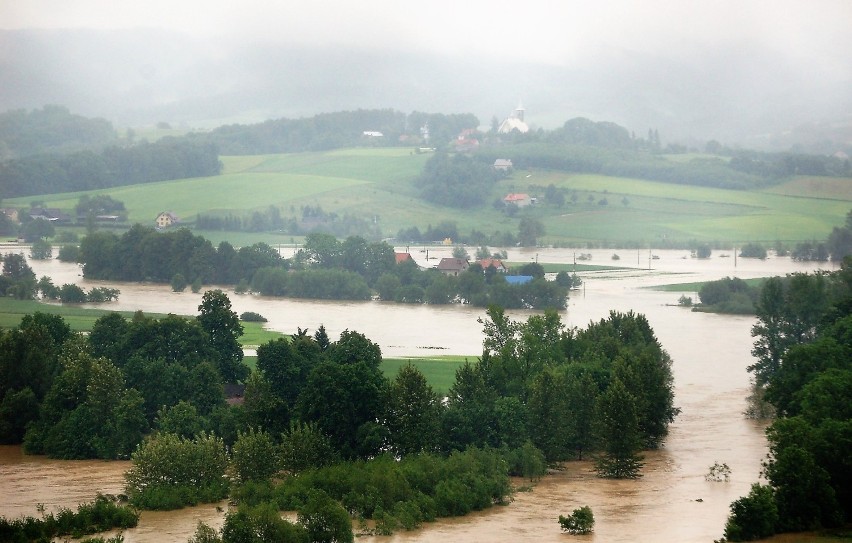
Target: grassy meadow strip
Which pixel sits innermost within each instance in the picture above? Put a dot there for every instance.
(440, 371)
(82, 318)
(695, 287)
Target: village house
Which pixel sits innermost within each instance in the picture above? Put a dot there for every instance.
(402, 257)
(498, 264)
(503, 164)
(166, 219)
(452, 266)
(51, 214)
(519, 199)
(11, 213)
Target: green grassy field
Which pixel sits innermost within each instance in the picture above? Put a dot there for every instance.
(81, 318)
(375, 185)
(440, 371)
(695, 287)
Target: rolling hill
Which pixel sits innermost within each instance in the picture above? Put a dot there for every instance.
(376, 186)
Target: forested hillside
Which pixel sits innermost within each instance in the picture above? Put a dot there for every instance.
(52, 129)
(325, 131)
(165, 159)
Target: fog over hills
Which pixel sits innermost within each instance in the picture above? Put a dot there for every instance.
(738, 93)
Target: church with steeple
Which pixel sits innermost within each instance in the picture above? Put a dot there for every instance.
(515, 121)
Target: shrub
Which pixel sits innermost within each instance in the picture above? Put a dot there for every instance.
(178, 283)
(169, 472)
(251, 316)
(71, 294)
(69, 253)
(718, 473)
(526, 461)
(753, 250)
(754, 516)
(325, 519)
(581, 521)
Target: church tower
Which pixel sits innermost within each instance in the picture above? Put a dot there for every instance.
(519, 112)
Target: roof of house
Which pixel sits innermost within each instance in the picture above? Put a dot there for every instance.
(453, 264)
(168, 214)
(516, 197)
(491, 262)
(402, 257)
(518, 279)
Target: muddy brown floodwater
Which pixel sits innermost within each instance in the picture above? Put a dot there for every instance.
(672, 502)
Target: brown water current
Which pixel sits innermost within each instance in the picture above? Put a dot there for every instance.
(672, 502)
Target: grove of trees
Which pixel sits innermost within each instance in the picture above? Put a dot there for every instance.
(325, 268)
(320, 428)
(168, 158)
(803, 352)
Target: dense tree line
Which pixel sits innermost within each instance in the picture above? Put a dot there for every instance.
(340, 129)
(145, 254)
(325, 268)
(728, 295)
(803, 364)
(621, 162)
(52, 129)
(783, 165)
(582, 131)
(168, 158)
(456, 181)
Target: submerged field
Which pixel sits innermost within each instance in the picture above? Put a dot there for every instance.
(377, 186)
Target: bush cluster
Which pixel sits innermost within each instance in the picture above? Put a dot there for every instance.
(105, 513)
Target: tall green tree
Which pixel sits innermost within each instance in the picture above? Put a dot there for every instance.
(413, 415)
(223, 326)
(345, 400)
(618, 433)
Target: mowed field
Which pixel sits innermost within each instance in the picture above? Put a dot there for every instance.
(377, 185)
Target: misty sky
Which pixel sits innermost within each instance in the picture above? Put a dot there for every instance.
(562, 33)
(680, 64)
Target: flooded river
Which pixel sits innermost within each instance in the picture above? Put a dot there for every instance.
(671, 503)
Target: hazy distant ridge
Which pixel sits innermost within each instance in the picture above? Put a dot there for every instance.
(140, 77)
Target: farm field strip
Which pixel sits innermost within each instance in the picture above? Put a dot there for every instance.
(374, 185)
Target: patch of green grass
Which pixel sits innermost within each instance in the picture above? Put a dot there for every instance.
(82, 318)
(440, 371)
(254, 334)
(79, 318)
(695, 287)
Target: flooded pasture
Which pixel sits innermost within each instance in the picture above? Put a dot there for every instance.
(672, 502)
